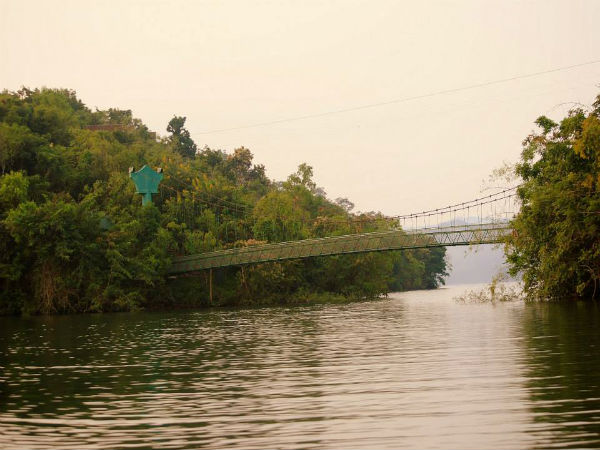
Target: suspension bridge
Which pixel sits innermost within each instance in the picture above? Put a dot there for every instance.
(484, 220)
(487, 233)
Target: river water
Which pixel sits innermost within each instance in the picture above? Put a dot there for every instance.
(414, 370)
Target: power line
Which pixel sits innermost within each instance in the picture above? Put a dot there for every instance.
(401, 100)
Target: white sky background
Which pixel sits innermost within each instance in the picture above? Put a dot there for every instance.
(226, 64)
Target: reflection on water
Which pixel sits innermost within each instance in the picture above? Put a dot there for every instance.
(414, 370)
(563, 377)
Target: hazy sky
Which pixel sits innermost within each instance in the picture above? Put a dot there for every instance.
(227, 64)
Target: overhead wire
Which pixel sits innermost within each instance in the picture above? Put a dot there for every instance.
(424, 216)
(459, 206)
(224, 205)
(244, 210)
(400, 100)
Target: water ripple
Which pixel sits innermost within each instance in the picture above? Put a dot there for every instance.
(414, 370)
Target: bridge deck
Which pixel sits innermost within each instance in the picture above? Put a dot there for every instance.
(339, 245)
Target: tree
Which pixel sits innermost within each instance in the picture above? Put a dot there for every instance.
(75, 238)
(180, 137)
(14, 188)
(555, 244)
(344, 203)
(18, 147)
(57, 251)
(278, 219)
(303, 177)
(239, 164)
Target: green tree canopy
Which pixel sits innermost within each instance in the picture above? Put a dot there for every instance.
(556, 244)
(180, 137)
(74, 236)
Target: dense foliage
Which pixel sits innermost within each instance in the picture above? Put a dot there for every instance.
(75, 237)
(556, 239)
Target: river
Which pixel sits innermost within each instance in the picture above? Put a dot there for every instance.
(415, 370)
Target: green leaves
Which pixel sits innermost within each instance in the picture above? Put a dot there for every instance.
(555, 245)
(74, 237)
(14, 189)
(180, 137)
(279, 218)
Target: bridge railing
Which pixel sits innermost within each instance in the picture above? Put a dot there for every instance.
(347, 244)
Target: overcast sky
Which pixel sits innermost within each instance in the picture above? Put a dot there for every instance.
(230, 64)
